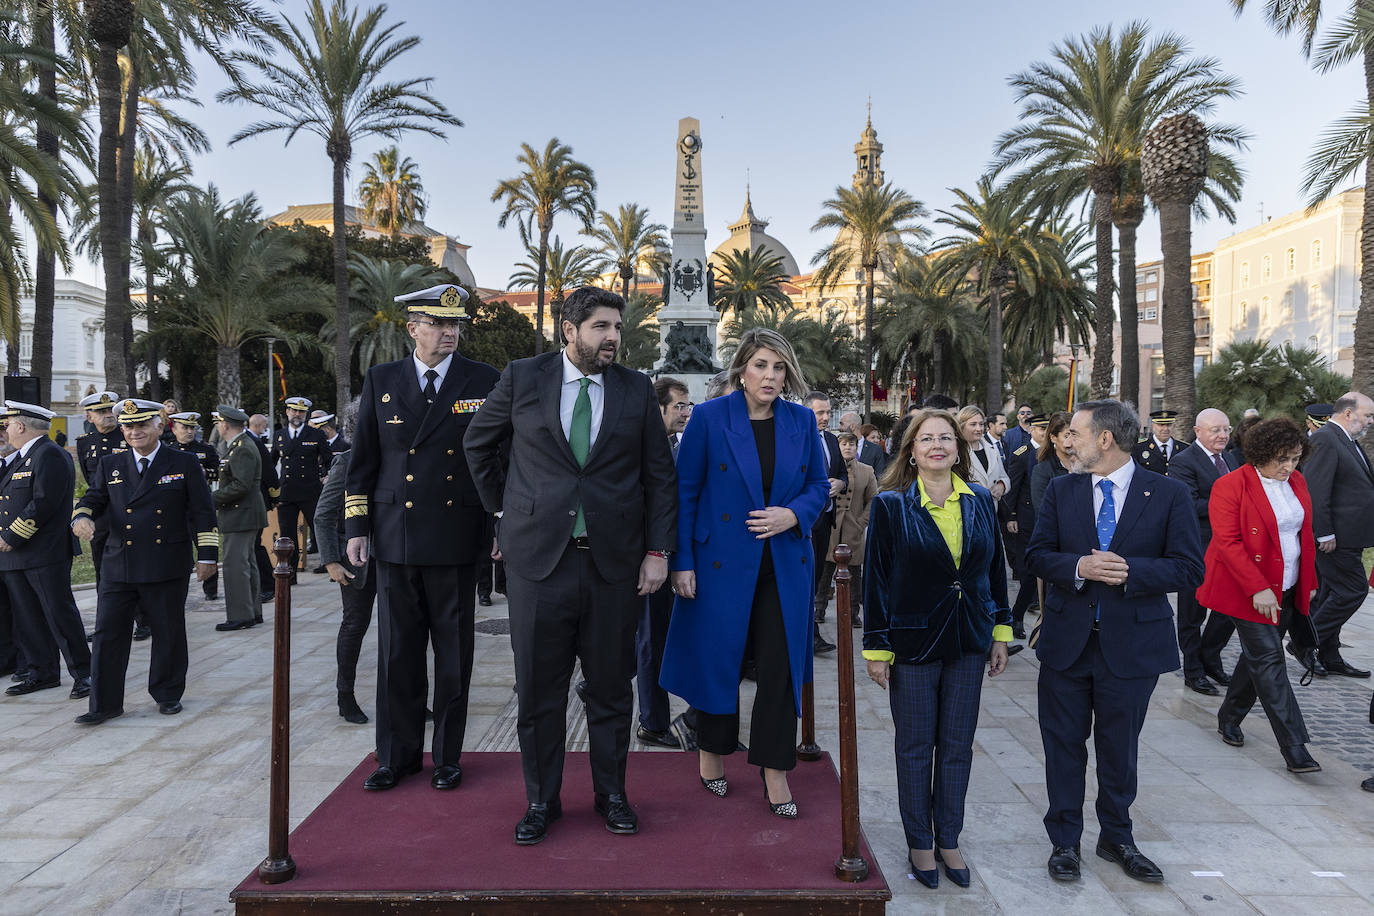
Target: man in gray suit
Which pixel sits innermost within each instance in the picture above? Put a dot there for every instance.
(1341, 484)
(588, 515)
(242, 515)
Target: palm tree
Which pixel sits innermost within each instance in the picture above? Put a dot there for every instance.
(873, 225)
(328, 80)
(998, 239)
(1128, 212)
(1061, 308)
(564, 271)
(627, 241)
(1173, 169)
(1083, 118)
(1345, 147)
(748, 278)
(553, 182)
(639, 331)
(378, 329)
(233, 277)
(391, 192)
(927, 329)
(1274, 380)
(825, 348)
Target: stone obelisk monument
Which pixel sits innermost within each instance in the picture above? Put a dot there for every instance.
(687, 322)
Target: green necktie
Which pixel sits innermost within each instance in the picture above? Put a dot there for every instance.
(580, 441)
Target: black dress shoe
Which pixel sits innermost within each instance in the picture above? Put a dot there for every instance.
(484, 600)
(1308, 659)
(385, 777)
(1201, 685)
(169, 709)
(95, 718)
(30, 686)
(1368, 784)
(686, 735)
(1132, 861)
(229, 625)
(1014, 648)
(662, 739)
(959, 876)
(929, 877)
(1018, 631)
(1218, 674)
(534, 826)
(267, 597)
(1298, 760)
(20, 675)
(1230, 733)
(448, 776)
(212, 596)
(142, 633)
(821, 645)
(81, 688)
(320, 569)
(1065, 864)
(349, 709)
(1342, 667)
(620, 817)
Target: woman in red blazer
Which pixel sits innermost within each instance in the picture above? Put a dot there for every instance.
(1261, 571)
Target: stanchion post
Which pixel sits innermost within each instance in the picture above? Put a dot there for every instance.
(278, 866)
(850, 866)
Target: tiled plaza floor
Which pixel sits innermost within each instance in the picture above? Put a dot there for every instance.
(150, 814)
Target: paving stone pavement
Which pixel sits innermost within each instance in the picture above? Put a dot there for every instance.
(150, 814)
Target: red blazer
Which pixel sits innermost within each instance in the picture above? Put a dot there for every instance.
(1244, 557)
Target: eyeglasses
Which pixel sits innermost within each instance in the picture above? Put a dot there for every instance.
(1216, 430)
(441, 325)
(682, 408)
(928, 441)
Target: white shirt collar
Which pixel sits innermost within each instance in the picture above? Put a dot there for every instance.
(1120, 478)
(27, 447)
(442, 369)
(1205, 450)
(572, 374)
(137, 457)
(1162, 443)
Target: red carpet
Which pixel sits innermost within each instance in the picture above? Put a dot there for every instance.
(415, 839)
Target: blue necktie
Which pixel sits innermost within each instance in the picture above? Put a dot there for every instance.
(1106, 516)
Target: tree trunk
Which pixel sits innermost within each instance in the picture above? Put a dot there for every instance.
(868, 340)
(124, 189)
(1130, 330)
(1176, 240)
(995, 344)
(625, 283)
(108, 86)
(342, 364)
(539, 293)
(45, 270)
(154, 380)
(937, 359)
(1102, 327)
(229, 382)
(1363, 378)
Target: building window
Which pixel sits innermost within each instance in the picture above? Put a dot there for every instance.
(1139, 315)
(1314, 297)
(1140, 295)
(90, 348)
(1151, 314)
(1139, 279)
(1317, 253)
(1156, 383)
(1264, 310)
(1244, 274)
(1266, 269)
(1288, 306)
(25, 345)
(1151, 277)
(1290, 262)
(1152, 295)
(1244, 313)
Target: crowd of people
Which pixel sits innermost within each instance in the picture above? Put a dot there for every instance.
(678, 549)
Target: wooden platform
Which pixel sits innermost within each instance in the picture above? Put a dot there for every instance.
(416, 850)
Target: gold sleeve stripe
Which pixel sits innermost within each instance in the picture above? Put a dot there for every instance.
(355, 512)
(274, 492)
(350, 500)
(83, 510)
(24, 528)
(207, 539)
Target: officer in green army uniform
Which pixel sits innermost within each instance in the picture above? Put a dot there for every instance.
(242, 515)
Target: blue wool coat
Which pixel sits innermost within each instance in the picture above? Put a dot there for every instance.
(719, 483)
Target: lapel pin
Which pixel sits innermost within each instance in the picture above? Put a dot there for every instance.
(1147, 492)
(386, 398)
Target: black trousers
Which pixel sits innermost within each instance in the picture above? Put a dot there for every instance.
(856, 588)
(266, 565)
(102, 534)
(1200, 643)
(773, 722)
(288, 515)
(47, 620)
(418, 606)
(650, 637)
(11, 658)
(1262, 673)
(574, 613)
(491, 576)
(358, 598)
(1027, 594)
(820, 548)
(165, 606)
(1342, 588)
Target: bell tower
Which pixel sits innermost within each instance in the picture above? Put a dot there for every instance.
(868, 153)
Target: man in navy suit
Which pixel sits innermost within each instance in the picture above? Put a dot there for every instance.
(1197, 467)
(1111, 540)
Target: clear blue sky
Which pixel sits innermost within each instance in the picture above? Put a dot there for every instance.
(780, 89)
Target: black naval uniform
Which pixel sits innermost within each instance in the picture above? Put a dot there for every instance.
(1151, 457)
(409, 490)
(305, 460)
(209, 463)
(90, 448)
(157, 518)
(35, 497)
(1017, 507)
(337, 447)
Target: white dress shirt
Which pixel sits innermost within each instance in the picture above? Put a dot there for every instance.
(1121, 485)
(1288, 512)
(150, 456)
(25, 448)
(1163, 446)
(421, 369)
(572, 384)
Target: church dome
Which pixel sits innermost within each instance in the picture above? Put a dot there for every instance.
(747, 234)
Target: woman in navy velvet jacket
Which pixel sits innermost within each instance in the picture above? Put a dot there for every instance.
(935, 609)
(751, 475)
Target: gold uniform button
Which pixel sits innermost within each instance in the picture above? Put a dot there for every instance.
(449, 477)
(410, 477)
(449, 503)
(159, 540)
(129, 511)
(409, 504)
(450, 451)
(412, 451)
(128, 543)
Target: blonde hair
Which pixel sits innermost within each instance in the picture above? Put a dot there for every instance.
(966, 414)
(756, 339)
(901, 473)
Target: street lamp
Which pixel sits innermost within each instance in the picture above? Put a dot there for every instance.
(271, 401)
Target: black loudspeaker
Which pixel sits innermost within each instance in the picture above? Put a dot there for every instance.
(22, 388)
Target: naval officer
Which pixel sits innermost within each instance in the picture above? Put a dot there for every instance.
(1160, 446)
(409, 501)
(304, 456)
(157, 503)
(185, 429)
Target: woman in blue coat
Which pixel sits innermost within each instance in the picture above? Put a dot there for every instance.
(751, 473)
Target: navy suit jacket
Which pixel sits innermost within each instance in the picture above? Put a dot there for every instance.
(1194, 468)
(1156, 535)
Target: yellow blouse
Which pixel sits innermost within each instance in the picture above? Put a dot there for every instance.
(949, 518)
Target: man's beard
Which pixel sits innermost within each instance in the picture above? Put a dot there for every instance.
(588, 358)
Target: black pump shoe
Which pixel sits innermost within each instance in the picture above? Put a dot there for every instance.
(959, 876)
(787, 809)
